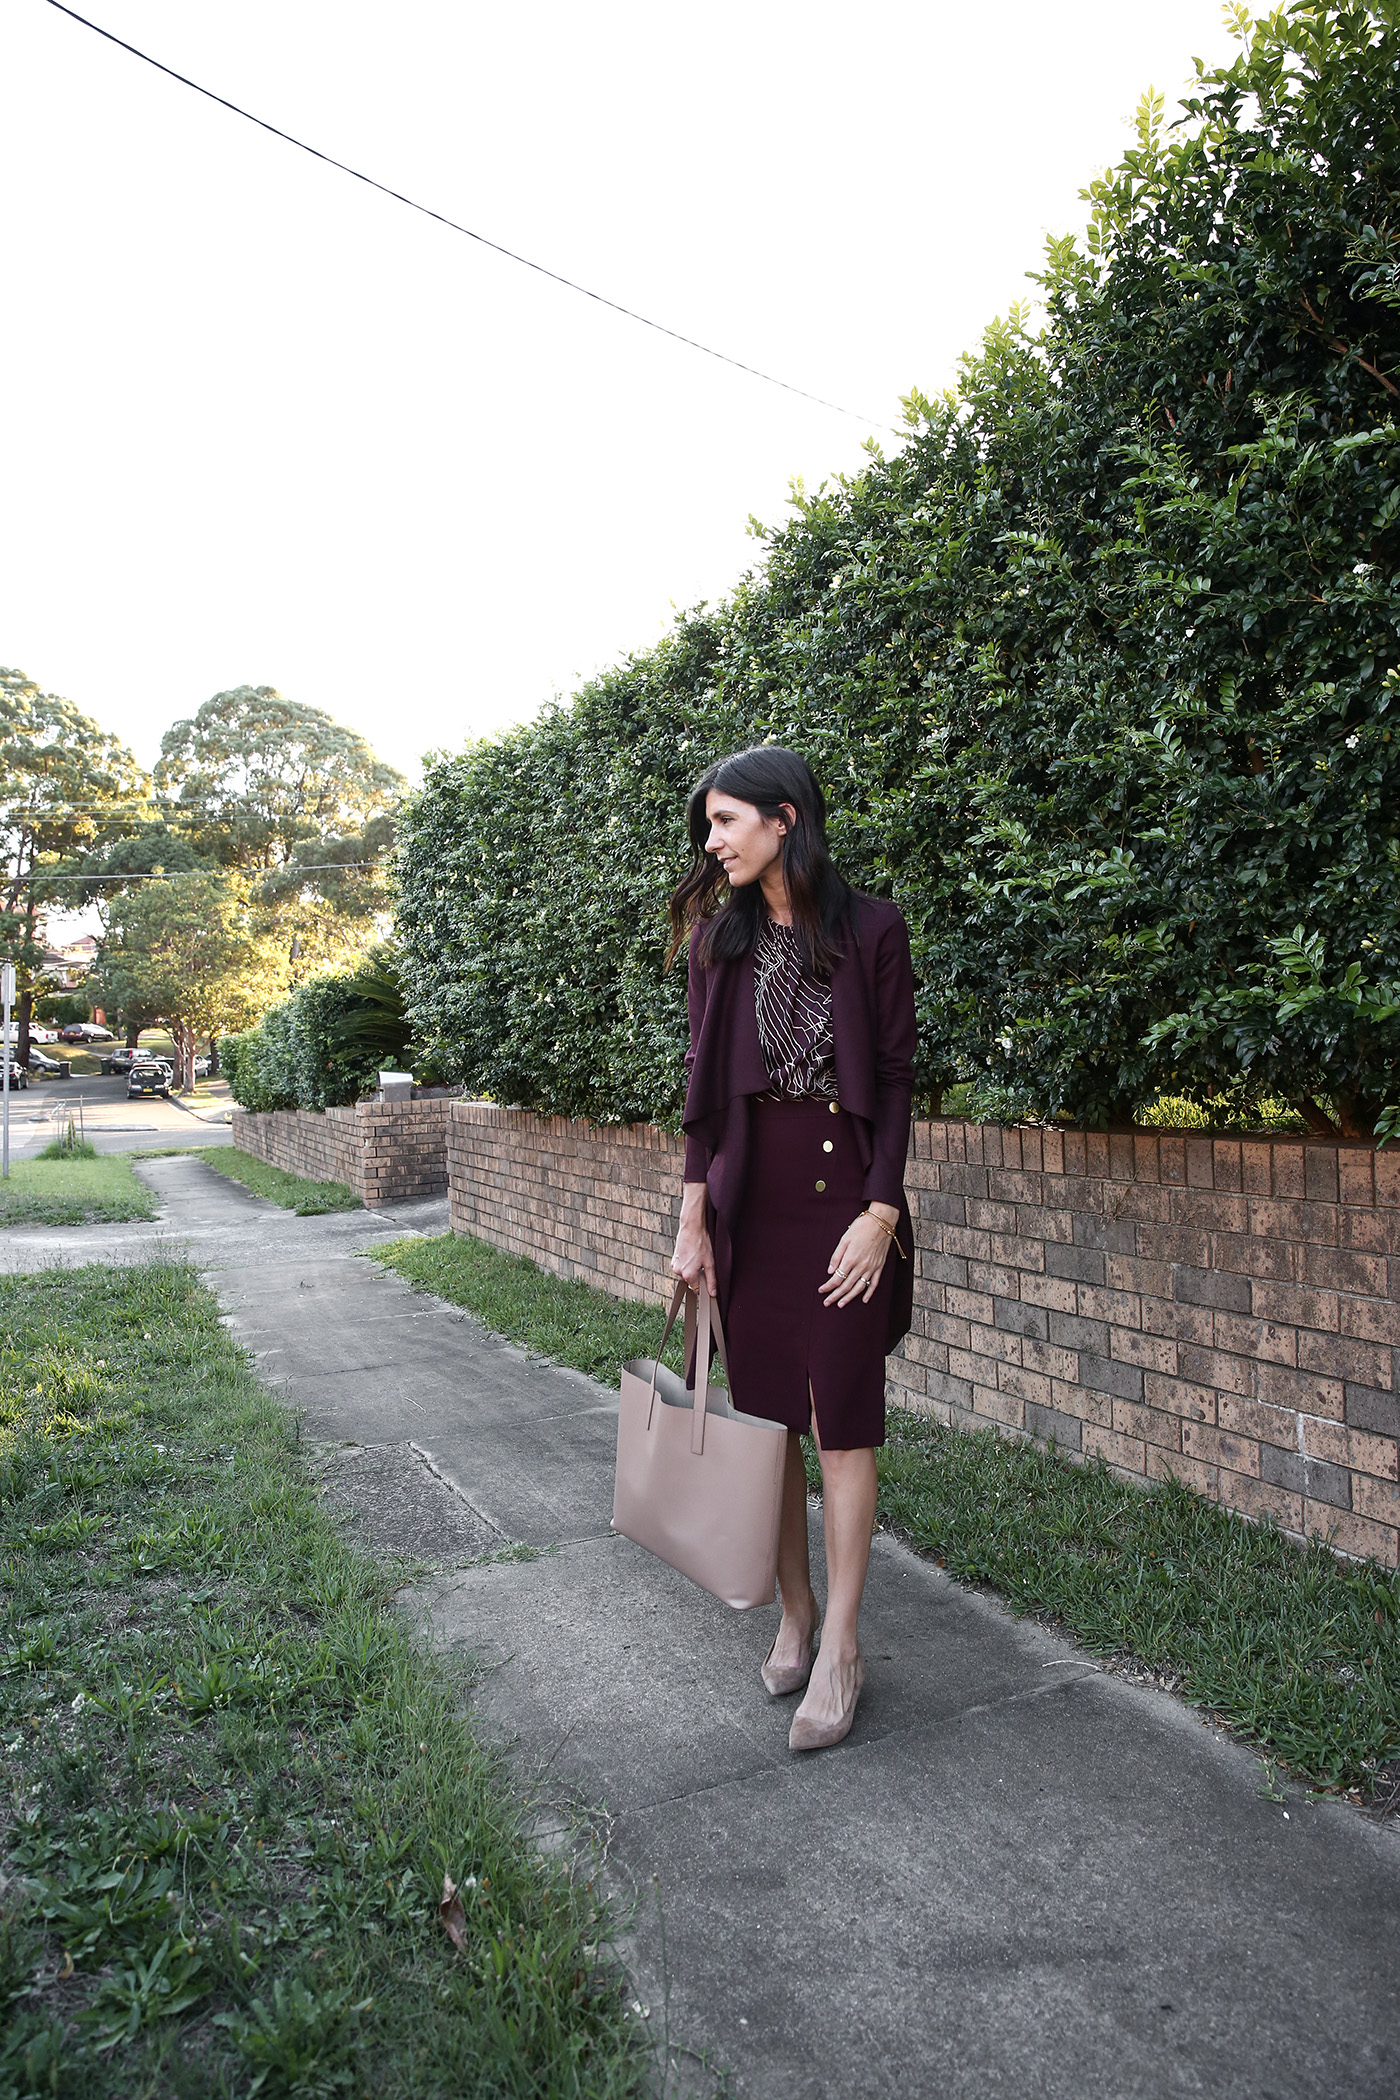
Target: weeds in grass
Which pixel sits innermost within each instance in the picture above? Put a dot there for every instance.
(70, 1144)
(1298, 1651)
(233, 1782)
(309, 1199)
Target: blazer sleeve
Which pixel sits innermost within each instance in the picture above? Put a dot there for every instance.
(697, 1155)
(896, 1039)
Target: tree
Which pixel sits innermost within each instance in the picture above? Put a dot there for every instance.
(66, 787)
(279, 790)
(254, 776)
(190, 949)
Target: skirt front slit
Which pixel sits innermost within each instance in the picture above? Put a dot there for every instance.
(789, 1351)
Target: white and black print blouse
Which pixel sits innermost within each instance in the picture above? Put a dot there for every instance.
(794, 1019)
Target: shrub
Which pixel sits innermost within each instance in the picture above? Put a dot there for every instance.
(257, 1065)
(62, 1008)
(1098, 671)
(325, 1045)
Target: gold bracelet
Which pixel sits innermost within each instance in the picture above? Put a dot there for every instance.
(875, 1218)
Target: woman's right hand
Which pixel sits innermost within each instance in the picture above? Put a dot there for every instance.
(694, 1258)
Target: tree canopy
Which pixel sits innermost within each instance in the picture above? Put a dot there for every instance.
(191, 950)
(254, 777)
(281, 791)
(66, 787)
(292, 807)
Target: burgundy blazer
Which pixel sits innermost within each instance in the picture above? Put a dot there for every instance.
(872, 1014)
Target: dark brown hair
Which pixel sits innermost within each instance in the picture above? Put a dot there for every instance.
(822, 901)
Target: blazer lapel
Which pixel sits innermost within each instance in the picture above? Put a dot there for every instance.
(855, 1049)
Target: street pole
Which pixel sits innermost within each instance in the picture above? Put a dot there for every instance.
(7, 1000)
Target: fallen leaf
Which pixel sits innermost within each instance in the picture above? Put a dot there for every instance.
(66, 1971)
(454, 1918)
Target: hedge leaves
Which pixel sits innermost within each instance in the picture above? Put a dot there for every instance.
(1099, 672)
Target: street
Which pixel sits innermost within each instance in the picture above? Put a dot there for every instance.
(112, 1123)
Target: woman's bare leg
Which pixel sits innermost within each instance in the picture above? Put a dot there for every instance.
(848, 1514)
(794, 1567)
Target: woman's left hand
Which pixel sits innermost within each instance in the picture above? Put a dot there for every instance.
(854, 1269)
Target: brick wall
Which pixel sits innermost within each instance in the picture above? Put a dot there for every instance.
(600, 1201)
(1225, 1311)
(386, 1151)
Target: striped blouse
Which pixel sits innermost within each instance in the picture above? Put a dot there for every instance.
(794, 1019)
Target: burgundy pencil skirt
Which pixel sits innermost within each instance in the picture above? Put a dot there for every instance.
(802, 1189)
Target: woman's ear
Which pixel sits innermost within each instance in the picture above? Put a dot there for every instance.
(790, 818)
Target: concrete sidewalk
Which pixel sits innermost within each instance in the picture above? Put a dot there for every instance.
(1018, 1876)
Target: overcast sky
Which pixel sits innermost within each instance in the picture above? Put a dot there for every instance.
(267, 427)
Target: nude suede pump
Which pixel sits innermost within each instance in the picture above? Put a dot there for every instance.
(781, 1680)
(821, 1735)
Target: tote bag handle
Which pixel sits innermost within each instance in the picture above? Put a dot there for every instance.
(708, 1316)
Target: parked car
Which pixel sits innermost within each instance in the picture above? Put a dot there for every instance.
(19, 1078)
(149, 1079)
(42, 1035)
(42, 1066)
(121, 1059)
(202, 1067)
(85, 1032)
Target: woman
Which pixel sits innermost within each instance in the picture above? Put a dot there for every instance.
(797, 1125)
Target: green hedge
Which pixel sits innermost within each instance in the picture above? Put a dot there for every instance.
(1098, 671)
(325, 1045)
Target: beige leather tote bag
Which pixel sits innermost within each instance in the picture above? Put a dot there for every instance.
(698, 1483)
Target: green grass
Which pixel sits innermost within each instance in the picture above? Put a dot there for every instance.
(309, 1199)
(553, 1316)
(231, 1781)
(74, 1190)
(1297, 1651)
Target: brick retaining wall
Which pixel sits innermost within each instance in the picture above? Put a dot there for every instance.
(600, 1201)
(1225, 1311)
(386, 1151)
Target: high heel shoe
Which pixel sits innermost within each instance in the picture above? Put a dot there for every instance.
(820, 1735)
(782, 1679)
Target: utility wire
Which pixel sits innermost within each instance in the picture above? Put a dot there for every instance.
(289, 867)
(483, 239)
(184, 812)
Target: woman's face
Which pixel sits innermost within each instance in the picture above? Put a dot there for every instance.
(744, 842)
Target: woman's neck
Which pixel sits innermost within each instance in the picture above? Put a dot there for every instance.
(775, 894)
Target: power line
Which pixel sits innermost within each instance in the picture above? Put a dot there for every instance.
(484, 240)
(212, 813)
(288, 867)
